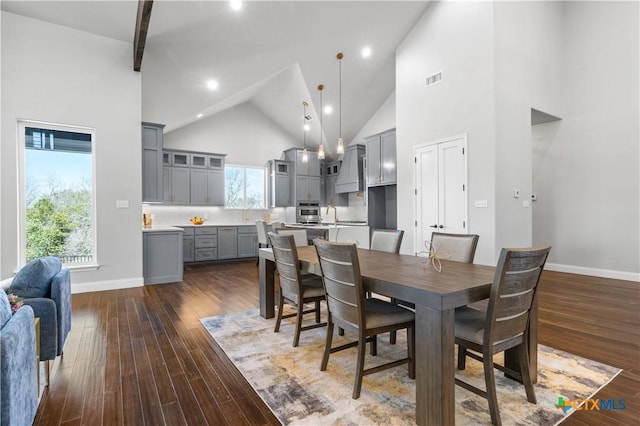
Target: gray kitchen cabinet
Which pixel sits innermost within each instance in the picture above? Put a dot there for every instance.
(188, 245)
(162, 256)
(306, 179)
(331, 174)
(176, 181)
(152, 189)
(207, 187)
(308, 188)
(280, 183)
(206, 243)
(381, 158)
(180, 159)
(227, 242)
(247, 241)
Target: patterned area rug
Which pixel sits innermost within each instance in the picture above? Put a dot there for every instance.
(289, 379)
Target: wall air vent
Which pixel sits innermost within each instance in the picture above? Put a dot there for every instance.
(433, 79)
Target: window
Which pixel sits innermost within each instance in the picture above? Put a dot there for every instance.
(57, 193)
(244, 187)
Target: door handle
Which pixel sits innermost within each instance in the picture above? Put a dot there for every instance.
(433, 226)
(441, 226)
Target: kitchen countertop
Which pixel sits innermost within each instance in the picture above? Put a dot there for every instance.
(159, 228)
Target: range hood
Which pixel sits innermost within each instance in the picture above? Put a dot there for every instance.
(351, 176)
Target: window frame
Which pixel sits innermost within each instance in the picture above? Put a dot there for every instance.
(264, 187)
(21, 142)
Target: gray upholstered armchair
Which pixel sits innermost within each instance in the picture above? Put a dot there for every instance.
(46, 286)
(18, 380)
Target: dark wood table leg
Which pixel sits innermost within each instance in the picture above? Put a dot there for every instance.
(267, 288)
(435, 370)
(511, 356)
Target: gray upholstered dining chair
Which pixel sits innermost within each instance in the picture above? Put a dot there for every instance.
(388, 240)
(295, 288)
(299, 234)
(349, 309)
(505, 324)
(456, 248)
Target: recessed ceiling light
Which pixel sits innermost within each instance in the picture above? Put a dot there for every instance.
(307, 127)
(199, 115)
(235, 4)
(366, 52)
(212, 85)
(328, 109)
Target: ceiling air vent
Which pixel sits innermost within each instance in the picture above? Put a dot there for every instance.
(433, 79)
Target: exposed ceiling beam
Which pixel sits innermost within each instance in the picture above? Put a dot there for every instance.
(140, 38)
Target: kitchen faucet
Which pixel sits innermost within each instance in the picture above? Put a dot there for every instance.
(335, 213)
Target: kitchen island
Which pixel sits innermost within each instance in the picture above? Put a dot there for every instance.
(345, 233)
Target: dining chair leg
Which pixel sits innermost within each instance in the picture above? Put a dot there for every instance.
(362, 347)
(490, 384)
(296, 338)
(392, 337)
(340, 331)
(317, 311)
(462, 357)
(279, 318)
(327, 346)
(411, 351)
(526, 374)
(374, 345)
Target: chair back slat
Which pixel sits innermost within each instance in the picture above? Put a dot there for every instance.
(513, 292)
(342, 281)
(459, 247)
(287, 264)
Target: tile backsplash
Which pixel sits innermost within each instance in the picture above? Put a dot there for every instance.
(175, 215)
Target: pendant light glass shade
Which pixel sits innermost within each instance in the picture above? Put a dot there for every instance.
(340, 148)
(321, 146)
(305, 153)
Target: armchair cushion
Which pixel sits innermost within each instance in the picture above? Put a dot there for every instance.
(47, 311)
(18, 385)
(34, 279)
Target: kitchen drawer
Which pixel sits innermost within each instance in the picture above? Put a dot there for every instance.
(206, 241)
(207, 230)
(249, 229)
(187, 230)
(206, 254)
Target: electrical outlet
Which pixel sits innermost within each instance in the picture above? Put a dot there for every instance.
(206, 216)
(274, 216)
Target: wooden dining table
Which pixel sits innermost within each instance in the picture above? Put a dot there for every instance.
(436, 294)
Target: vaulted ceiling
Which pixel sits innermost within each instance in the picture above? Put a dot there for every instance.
(273, 54)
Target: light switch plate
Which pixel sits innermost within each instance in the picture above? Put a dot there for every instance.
(122, 204)
(480, 204)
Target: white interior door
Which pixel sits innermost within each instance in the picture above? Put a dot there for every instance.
(441, 183)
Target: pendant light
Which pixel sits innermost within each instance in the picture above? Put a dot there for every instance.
(321, 146)
(340, 149)
(305, 153)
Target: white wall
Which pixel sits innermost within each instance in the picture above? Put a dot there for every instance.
(244, 133)
(60, 75)
(383, 119)
(586, 167)
(528, 57)
(457, 39)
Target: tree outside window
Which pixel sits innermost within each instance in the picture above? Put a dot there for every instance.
(58, 194)
(244, 187)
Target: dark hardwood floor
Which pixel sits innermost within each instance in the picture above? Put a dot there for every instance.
(140, 356)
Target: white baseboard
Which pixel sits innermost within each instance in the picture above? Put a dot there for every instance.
(106, 285)
(603, 273)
